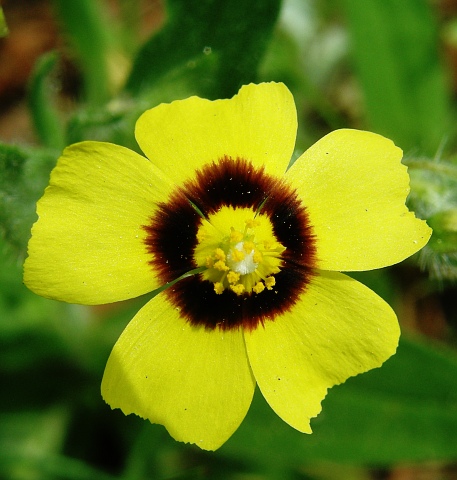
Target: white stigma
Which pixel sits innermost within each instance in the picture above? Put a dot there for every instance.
(244, 266)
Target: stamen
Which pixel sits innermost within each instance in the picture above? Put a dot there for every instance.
(233, 277)
(251, 223)
(248, 246)
(270, 282)
(221, 266)
(238, 288)
(201, 235)
(219, 254)
(242, 264)
(258, 287)
(235, 236)
(237, 255)
(257, 257)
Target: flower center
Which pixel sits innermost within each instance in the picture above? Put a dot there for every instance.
(240, 251)
(243, 258)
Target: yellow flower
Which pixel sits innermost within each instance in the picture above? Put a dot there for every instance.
(257, 250)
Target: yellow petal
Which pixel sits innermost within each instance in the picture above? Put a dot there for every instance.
(258, 124)
(88, 243)
(195, 382)
(338, 329)
(355, 188)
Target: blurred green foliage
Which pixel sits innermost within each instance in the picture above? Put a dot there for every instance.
(401, 75)
(374, 64)
(3, 25)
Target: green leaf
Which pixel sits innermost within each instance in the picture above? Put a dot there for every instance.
(30, 442)
(3, 25)
(223, 40)
(90, 32)
(197, 52)
(395, 51)
(434, 198)
(115, 121)
(45, 115)
(131, 13)
(405, 411)
(24, 174)
(27, 437)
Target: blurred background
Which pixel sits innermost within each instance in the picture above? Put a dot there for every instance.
(84, 70)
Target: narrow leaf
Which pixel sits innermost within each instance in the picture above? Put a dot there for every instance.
(3, 25)
(90, 33)
(45, 115)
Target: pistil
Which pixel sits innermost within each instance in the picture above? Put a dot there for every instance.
(245, 264)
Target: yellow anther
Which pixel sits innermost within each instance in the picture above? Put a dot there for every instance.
(235, 235)
(237, 255)
(279, 248)
(248, 246)
(270, 282)
(221, 266)
(258, 287)
(257, 257)
(267, 245)
(238, 288)
(251, 223)
(244, 260)
(201, 235)
(219, 254)
(233, 277)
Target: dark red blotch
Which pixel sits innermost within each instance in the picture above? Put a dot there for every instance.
(172, 239)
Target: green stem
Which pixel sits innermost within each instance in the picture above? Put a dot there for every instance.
(3, 25)
(90, 32)
(131, 16)
(195, 271)
(45, 115)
